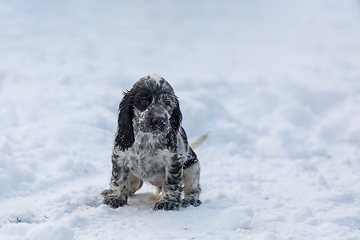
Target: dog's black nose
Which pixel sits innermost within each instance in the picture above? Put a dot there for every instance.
(157, 122)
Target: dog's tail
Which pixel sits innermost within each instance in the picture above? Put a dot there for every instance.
(197, 142)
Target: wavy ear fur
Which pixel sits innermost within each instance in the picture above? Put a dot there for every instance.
(125, 133)
(175, 122)
(176, 118)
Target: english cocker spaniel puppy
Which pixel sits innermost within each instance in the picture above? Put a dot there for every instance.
(151, 145)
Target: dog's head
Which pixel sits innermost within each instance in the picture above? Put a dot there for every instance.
(151, 106)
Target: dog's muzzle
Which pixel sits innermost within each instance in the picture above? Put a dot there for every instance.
(156, 120)
(157, 123)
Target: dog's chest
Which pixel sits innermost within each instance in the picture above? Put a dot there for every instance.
(147, 158)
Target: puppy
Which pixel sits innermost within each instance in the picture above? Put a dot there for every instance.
(151, 145)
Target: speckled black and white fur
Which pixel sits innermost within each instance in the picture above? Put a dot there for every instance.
(151, 145)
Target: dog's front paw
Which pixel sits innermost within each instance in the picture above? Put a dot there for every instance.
(167, 205)
(190, 201)
(113, 201)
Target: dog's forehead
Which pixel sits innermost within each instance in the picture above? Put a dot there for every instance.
(155, 77)
(154, 84)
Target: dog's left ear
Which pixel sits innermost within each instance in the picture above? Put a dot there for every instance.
(125, 134)
(176, 117)
(175, 122)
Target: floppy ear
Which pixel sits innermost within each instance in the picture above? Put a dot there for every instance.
(176, 117)
(175, 122)
(125, 133)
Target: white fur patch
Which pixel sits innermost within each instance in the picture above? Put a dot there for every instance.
(155, 77)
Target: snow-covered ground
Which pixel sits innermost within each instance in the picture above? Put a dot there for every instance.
(276, 82)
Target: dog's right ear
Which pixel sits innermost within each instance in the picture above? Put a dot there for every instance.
(125, 133)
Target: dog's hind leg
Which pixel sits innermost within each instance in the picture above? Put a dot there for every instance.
(134, 183)
(191, 180)
(157, 196)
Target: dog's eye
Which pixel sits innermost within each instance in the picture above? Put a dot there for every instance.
(145, 101)
(168, 105)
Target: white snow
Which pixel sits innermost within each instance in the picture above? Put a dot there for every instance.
(276, 82)
(234, 218)
(38, 232)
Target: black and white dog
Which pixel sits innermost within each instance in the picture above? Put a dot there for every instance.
(151, 145)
